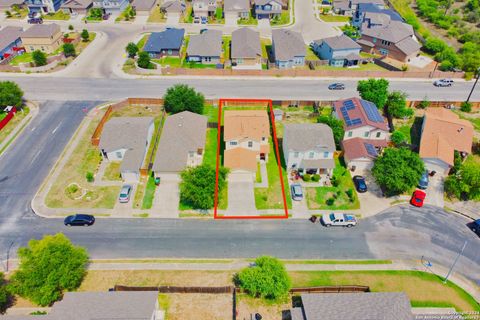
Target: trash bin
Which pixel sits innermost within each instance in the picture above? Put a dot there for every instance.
(157, 181)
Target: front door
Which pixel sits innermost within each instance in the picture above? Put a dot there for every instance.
(262, 156)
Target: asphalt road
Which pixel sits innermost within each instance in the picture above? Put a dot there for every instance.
(65, 89)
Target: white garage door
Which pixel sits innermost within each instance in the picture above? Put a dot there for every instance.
(231, 19)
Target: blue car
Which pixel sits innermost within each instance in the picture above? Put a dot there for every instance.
(423, 182)
(360, 184)
(475, 226)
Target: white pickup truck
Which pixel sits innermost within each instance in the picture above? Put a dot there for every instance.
(339, 219)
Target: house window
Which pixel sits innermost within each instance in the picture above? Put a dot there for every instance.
(263, 138)
(378, 134)
(350, 133)
(311, 154)
(383, 51)
(374, 40)
(295, 154)
(233, 143)
(366, 134)
(32, 48)
(325, 154)
(191, 154)
(250, 144)
(119, 154)
(169, 52)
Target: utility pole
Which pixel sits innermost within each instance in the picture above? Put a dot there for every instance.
(474, 84)
(455, 262)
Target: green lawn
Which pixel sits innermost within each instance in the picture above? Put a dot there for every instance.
(174, 62)
(197, 65)
(142, 41)
(226, 47)
(13, 123)
(475, 121)
(20, 13)
(361, 67)
(112, 172)
(282, 20)
(258, 174)
(59, 15)
(211, 112)
(271, 197)
(149, 193)
(317, 197)
(210, 156)
(310, 54)
(251, 21)
(334, 18)
(266, 44)
(23, 58)
(157, 16)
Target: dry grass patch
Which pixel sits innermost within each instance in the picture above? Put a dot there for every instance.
(247, 305)
(112, 171)
(199, 306)
(12, 124)
(138, 111)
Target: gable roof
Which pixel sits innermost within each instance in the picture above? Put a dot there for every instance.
(340, 42)
(41, 31)
(443, 133)
(206, 44)
(143, 5)
(9, 35)
(264, 2)
(408, 46)
(77, 4)
(245, 124)
(357, 306)
(356, 148)
(392, 32)
(130, 133)
(236, 5)
(240, 159)
(341, 5)
(173, 6)
(372, 8)
(246, 43)
(182, 133)
(288, 44)
(355, 113)
(9, 3)
(304, 137)
(358, 2)
(165, 40)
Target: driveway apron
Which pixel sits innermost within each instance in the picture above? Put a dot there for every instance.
(241, 199)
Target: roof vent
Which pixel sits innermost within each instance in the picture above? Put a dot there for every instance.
(460, 130)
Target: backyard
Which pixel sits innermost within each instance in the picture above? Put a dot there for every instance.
(334, 18)
(340, 196)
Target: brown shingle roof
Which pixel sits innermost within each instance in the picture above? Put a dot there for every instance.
(443, 132)
(243, 124)
(9, 35)
(245, 43)
(240, 159)
(356, 148)
(42, 31)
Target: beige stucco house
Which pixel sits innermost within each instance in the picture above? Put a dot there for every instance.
(44, 37)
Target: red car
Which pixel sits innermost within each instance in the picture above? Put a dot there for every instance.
(417, 198)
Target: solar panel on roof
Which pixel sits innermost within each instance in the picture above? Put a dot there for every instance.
(349, 105)
(356, 121)
(371, 110)
(371, 149)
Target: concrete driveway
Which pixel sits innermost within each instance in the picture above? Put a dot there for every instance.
(435, 191)
(241, 199)
(231, 19)
(167, 197)
(173, 19)
(263, 24)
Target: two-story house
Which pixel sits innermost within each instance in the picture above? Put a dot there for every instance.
(113, 7)
(268, 9)
(340, 51)
(44, 37)
(309, 148)
(372, 15)
(288, 48)
(182, 144)
(204, 8)
(10, 42)
(246, 135)
(246, 51)
(236, 9)
(43, 6)
(366, 131)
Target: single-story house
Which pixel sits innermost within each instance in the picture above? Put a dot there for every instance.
(309, 148)
(246, 50)
(173, 6)
(353, 306)
(204, 8)
(8, 4)
(394, 40)
(361, 118)
(10, 42)
(182, 144)
(443, 132)
(116, 305)
(44, 37)
(114, 7)
(246, 135)
(340, 51)
(268, 9)
(236, 9)
(165, 43)
(126, 139)
(77, 6)
(205, 47)
(360, 153)
(288, 48)
(143, 7)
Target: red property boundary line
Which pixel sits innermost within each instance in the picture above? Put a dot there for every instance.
(277, 152)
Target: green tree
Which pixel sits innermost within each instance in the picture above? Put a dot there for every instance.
(466, 106)
(181, 97)
(39, 58)
(5, 297)
(10, 94)
(434, 45)
(396, 105)
(398, 138)
(374, 90)
(85, 35)
(144, 60)
(69, 50)
(267, 279)
(336, 125)
(465, 184)
(70, 27)
(132, 49)
(197, 188)
(397, 170)
(47, 268)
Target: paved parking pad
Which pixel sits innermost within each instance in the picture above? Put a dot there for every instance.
(241, 198)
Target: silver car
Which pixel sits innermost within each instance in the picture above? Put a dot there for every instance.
(124, 196)
(297, 193)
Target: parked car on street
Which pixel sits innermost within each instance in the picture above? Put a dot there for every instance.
(79, 220)
(423, 182)
(443, 83)
(124, 196)
(360, 184)
(475, 226)
(339, 219)
(297, 193)
(35, 20)
(336, 86)
(417, 198)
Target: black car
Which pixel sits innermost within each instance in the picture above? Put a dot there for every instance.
(79, 220)
(336, 86)
(35, 20)
(475, 226)
(360, 184)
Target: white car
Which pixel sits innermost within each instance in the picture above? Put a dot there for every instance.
(443, 83)
(339, 219)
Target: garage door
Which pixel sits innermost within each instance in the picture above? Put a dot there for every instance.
(231, 19)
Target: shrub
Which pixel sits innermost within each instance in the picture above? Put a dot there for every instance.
(73, 188)
(316, 178)
(267, 279)
(335, 181)
(181, 97)
(398, 138)
(144, 60)
(423, 104)
(70, 27)
(89, 176)
(330, 201)
(132, 49)
(306, 177)
(5, 296)
(39, 58)
(8, 14)
(336, 125)
(466, 106)
(69, 50)
(85, 35)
